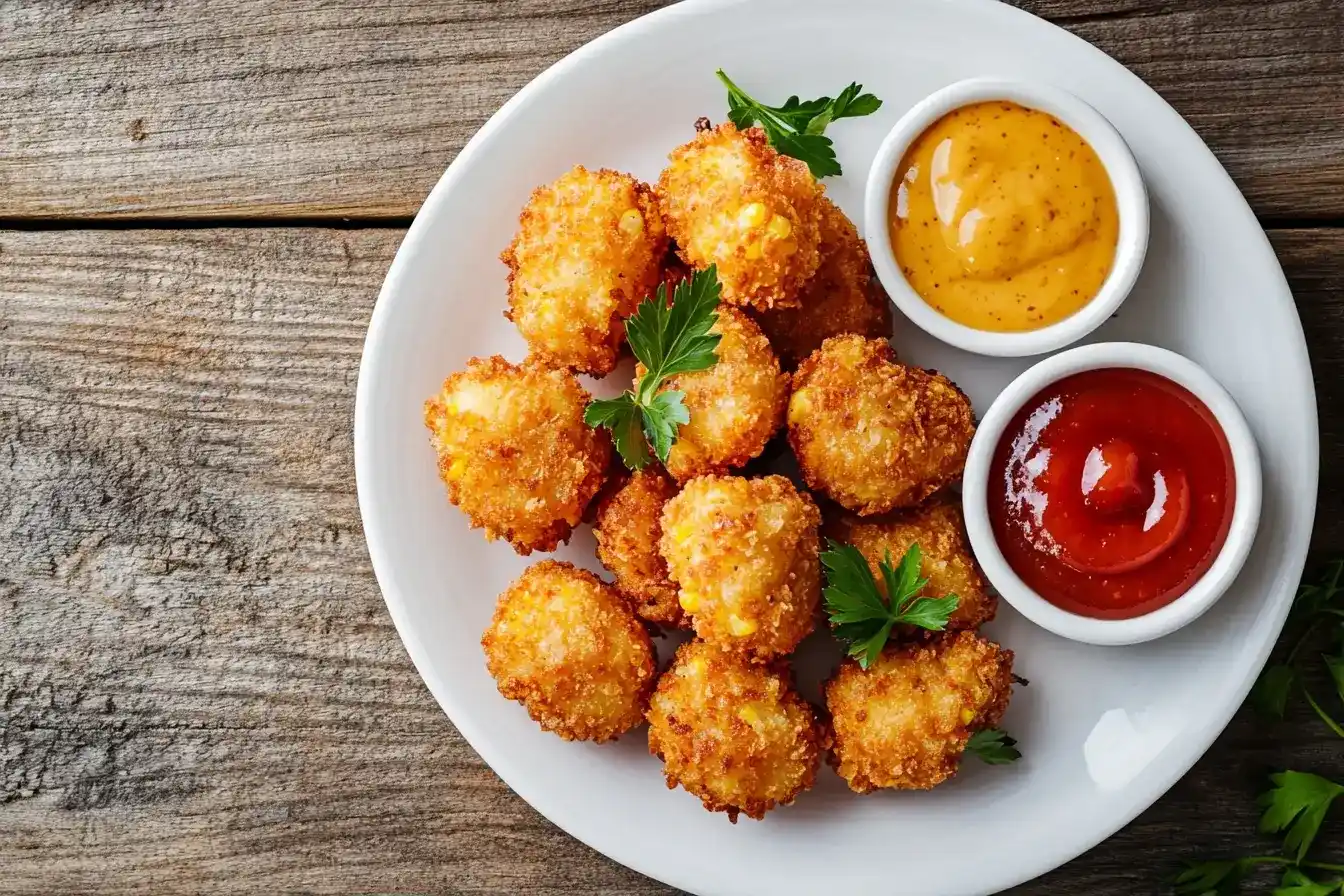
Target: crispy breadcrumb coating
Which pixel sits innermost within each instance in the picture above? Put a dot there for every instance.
(730, 199)
(735, 406)
(843, 296)
(939, 530)
(874, 434)
(734, 734)
(627, 526)
(567, 647)
(744, 553)
(514, 451)
(904, 722)
(589, 249)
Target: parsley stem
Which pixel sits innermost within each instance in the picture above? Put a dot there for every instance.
(1301, 641)
(762, 111)
(1325, 717)
(1284, 860)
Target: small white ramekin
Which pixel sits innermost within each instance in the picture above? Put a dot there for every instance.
(1131, 199)
(1245, 513)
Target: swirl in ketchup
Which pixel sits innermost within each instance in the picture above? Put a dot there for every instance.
(1112, 492)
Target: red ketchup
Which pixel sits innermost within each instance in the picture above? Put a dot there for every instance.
(1111, 492)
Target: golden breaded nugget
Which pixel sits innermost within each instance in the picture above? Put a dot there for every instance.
(904, 722)
(939, 530)
(589, 249)
(874, 434)
(744, 553)
(734, 734)
(627, 526)
(735, 406)
(567, 647)
(514, 451)
(843, 296)
(731, 200)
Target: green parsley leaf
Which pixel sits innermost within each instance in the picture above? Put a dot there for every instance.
(1297, 804)
(1221, 878)
(661, 419)
(1270, 694)
(667, 339)
(623, 417)
(861, 615)
(671, 339)
(796, 128)
(1336, 666)
(1295, 883)
(993, 746)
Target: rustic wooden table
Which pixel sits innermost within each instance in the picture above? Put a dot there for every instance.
(199, 685)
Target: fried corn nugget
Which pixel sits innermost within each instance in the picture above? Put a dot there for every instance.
(744, 554)
(731, 200)
(514, 451)
(589, 249)
(874, 434)
(939, 530)
(735, 406)
(567, 647)
(842, 297)
(627, 526)
(733, 734)
(904, 722)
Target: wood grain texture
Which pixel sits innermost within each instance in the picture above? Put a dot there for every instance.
(200, 687)
(270, 108)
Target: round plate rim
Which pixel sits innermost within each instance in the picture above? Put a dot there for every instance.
(1048, 858)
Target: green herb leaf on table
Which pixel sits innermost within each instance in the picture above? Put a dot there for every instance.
(993, 746)
(1270, 694)
(1297, 804)
(667, 339)
(1335, 665)
(796, 128)
(1220, 878)
(861, 615)
(1295, 883)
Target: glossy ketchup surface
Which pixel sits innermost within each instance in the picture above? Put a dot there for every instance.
(1111, 492)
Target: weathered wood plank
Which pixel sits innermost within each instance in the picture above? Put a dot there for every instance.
(201, 688)
(263, 109)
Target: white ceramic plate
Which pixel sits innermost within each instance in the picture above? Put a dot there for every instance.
(1104, 731)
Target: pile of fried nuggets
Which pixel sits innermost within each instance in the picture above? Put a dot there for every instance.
(694, 545)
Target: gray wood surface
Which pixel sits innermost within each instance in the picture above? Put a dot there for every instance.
(200, 688)
(258, 108)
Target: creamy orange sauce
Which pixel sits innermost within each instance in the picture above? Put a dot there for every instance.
(1003, 218)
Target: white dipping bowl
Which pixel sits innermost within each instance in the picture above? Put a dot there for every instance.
(1131, 200)
(1245, 514)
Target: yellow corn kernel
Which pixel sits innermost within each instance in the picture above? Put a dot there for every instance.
(689, 600)
(749, 715)
(683, 532)
(632, 222)
(754, 250)
(457, 469)
(799, 405)
(696, 667)
(779, 227)
(752, 215)
(966, 716)
(740, 627)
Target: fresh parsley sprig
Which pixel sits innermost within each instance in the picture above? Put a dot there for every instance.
(861, 615)
(993, 746)
(1298, 802)
(667, 340)
(796, 128)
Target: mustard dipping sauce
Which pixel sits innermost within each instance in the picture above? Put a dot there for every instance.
(1003, 218)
